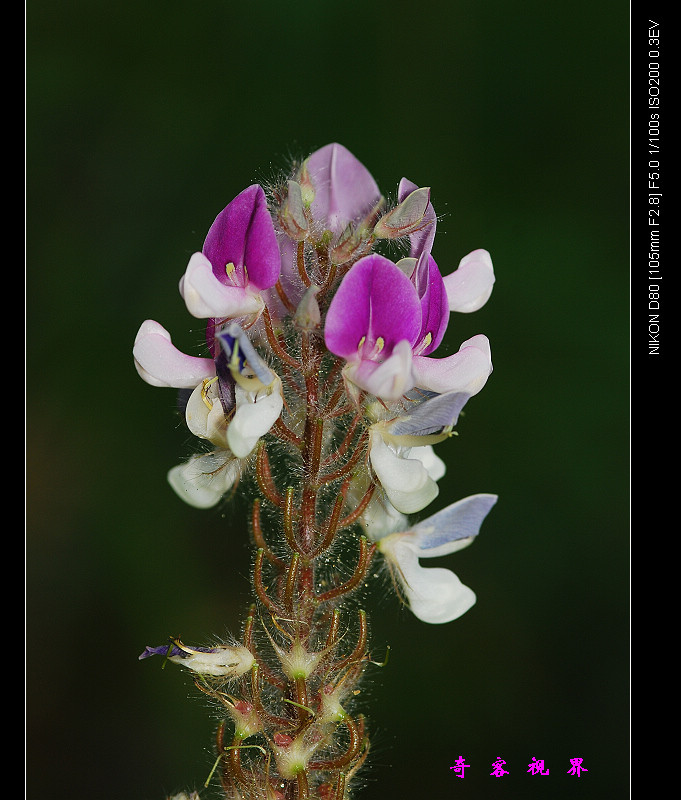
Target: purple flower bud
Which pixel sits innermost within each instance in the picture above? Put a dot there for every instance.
(344, 190)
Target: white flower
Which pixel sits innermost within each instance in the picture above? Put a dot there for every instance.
(408, 475)
(258, 392)
(434, 594)
(204, 479)
(256, 412)
(222, 661)
(205, 414)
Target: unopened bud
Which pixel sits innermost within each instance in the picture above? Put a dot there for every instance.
(298, 662)
(407, 217)
(308, 315)
(292, 755)
(292, 213)
(350, 244)
(222, 661)
(306, 186)
(246, 720)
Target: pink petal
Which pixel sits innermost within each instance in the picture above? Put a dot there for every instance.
(470, 286)
(375, 300)
(344, 189)
(243, 234)
(160, 363)
(466, 371)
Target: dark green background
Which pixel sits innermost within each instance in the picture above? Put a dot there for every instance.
(144, 120)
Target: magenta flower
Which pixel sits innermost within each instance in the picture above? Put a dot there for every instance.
(385, 329)
(240, 259)
(332, 194)
(374, 322)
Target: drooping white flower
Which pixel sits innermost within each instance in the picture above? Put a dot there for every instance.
(222, 661)
(204, 480)
(435, 594)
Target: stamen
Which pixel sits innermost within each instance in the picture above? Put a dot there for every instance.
(207, 383)
(380, 344)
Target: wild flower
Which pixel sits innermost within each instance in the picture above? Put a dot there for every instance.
(320, 397)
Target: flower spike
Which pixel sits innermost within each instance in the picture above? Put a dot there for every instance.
(321, 402)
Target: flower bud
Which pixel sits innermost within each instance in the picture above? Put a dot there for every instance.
(407, 217)
(292, 755)
(308, 316)
(222, 661)
(350, 244)
(307, 190)
(298, 662)
(292, 213)
(246, 720)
